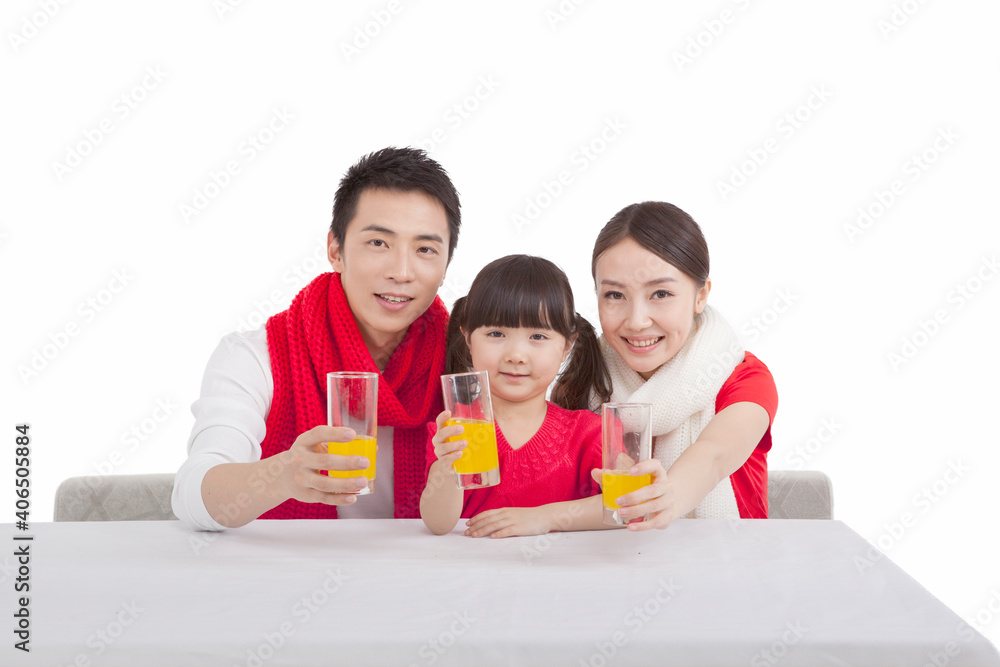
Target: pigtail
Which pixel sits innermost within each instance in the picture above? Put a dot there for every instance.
(458, 358)
(586, 372)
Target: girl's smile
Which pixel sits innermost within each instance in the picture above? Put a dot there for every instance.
(522, 362)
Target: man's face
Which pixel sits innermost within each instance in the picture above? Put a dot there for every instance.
(393, 261)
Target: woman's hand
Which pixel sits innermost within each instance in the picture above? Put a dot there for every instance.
(509, 521)
(656, 500)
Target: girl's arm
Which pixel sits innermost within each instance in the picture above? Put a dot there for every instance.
(441, 502)
(583, 514)
(720, 450)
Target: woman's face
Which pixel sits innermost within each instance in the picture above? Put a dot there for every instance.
(646, 305)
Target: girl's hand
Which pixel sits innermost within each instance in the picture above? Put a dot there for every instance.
(448, 452)
(509, 521)
(657, 499)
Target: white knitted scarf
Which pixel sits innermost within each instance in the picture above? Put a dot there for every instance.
(683, 393)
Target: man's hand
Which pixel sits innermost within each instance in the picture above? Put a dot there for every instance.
(237, 493)
(303, 468)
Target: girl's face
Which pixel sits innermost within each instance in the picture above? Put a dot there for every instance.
(646, 305)
(522, 362)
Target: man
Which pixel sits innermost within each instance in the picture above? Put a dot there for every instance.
(258, 446)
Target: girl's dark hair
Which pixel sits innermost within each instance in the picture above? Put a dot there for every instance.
(526, 291)
(662, 229)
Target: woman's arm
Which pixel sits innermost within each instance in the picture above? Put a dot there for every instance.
(723, 446)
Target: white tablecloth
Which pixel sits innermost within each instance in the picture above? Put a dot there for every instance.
(390, 593)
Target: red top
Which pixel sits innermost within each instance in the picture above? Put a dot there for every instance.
(751, 382)
(553, 466)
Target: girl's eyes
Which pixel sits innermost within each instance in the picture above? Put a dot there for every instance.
(499, 334)
(661, 294)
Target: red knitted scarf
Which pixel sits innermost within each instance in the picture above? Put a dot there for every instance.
(317, 335)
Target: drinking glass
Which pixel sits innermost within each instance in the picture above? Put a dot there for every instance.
(352, 401)
(467, 397)
(626, 439)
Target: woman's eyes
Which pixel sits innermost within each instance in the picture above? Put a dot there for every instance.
(618, 296)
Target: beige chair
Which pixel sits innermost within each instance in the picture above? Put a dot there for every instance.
(791, 494)
(115, 498)
(799, 494)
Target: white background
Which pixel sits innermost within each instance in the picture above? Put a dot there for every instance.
(823, 308)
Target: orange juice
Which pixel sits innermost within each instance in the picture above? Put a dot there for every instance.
(362, 445)
(616, 484)
(481, 454)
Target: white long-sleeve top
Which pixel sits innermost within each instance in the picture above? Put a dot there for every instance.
(229, 425)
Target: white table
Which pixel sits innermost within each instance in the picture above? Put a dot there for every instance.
(390, 593)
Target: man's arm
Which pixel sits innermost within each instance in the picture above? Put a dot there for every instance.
(237, 493)
(224, 482)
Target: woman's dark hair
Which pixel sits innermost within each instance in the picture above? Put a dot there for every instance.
(397, 170)
(526, 291)
(662, 229)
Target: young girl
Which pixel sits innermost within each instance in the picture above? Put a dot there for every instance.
(519, 324)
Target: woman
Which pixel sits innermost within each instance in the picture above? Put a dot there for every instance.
(713, 403)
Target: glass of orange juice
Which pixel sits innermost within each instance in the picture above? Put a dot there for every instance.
(626, 439)
(352, 401)
(467, 397)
